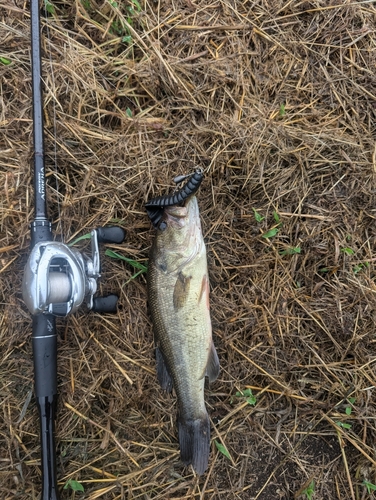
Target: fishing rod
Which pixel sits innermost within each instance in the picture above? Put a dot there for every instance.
(57, 279)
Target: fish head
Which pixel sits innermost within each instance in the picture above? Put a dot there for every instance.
(179, 231)
(178, 221)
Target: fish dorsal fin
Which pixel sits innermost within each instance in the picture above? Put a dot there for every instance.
(181, 290)
(212, 368)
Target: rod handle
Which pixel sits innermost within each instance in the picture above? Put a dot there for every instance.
(106, 304)
(113, 234)
(44, 342)
(47, 415)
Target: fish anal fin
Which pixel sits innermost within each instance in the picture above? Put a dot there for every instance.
(163, 374)
(212, 368)
(194, 441)
(181, 290)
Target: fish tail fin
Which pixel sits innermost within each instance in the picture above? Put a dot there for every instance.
(194, 440)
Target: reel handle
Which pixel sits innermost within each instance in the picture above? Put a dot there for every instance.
(106, 304)
(112, 234)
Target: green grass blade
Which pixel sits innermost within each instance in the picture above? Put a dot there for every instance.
(309, 491)
(86, 236)
(272, 232)
(370, 486)
(74, 485)
(136, 3)
(258, 217)
(222, 449)
(133, 277)
(134, 263)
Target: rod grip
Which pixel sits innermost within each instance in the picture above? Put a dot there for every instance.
(47, 414)
(44, 342)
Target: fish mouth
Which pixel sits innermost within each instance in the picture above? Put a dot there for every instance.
(156, 207)
(173, 215)
(177, 216)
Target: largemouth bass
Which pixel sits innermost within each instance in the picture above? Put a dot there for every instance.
(178, 292)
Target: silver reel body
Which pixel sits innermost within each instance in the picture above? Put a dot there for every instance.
(58, 279)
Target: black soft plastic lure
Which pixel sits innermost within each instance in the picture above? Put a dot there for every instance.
(154, 207)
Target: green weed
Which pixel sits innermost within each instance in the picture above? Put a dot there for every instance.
(137, 4)
(370, 487)
(86, 236)
(247, 395)
(86, 4)
(134, 263)
(116, 220)
(347, 251)
(121, 28)
(309, 491)
(222, 449)
(276, 217)
(50, 8)
(358, 267)
(5, 61)
(74, 485)
(258, 217)
(349, 408)
(272, 232)
(344, 425)
(290, 251)
(348, 411)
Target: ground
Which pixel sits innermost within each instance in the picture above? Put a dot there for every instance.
(276, 101)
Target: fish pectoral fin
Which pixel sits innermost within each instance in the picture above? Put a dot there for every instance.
(212, 368)
(163, 374)
(181, 290)
(204, 292)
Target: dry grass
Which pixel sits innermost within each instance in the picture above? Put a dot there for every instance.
(277, 101)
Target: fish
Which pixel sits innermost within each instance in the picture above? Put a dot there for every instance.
(178, 296)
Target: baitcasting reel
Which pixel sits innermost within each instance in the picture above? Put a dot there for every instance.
(58, 279)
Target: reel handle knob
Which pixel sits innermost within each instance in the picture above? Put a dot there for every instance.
(106, 304)
(112, 234)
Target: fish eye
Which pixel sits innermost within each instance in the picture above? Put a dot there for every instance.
(162, 225)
